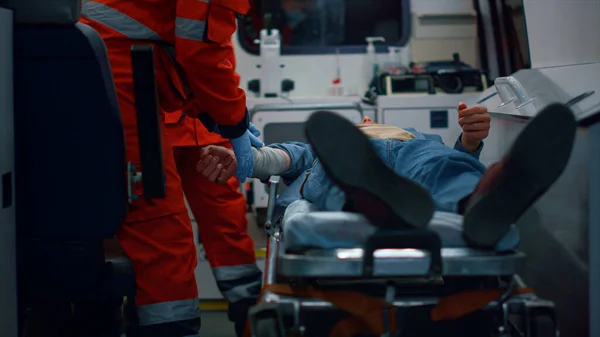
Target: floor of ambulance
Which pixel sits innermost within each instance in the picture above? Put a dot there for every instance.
(216, 324)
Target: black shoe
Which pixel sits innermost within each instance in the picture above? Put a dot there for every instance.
(509, 187)
(372, 188)
(238, 314)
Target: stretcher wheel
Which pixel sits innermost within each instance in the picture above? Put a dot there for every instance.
(267, 327)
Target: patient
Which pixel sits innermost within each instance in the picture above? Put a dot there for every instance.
(398, 177)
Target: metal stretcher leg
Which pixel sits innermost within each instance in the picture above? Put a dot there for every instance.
(525, 314)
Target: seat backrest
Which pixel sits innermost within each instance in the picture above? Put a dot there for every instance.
(70, 146)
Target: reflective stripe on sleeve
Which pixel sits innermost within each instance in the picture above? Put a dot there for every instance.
(190, 29)
(118, 21)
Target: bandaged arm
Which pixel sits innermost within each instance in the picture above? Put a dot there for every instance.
(268, 162)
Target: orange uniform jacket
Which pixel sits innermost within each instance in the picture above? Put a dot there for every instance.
(193, 48)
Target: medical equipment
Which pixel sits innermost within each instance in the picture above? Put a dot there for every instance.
(397, 60)
(320, 262)
(337, 89)
(371, 66)
(408, 83)
(270, 83)
(395, 54)
(270, 52)
(454, 76)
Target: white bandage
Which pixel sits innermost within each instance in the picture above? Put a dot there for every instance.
(268, 162)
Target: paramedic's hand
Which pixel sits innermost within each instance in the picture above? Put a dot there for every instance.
(217, 163)
(254, 134)
(243, 155)
(475, 124)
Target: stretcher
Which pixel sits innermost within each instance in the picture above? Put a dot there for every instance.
(332, 274)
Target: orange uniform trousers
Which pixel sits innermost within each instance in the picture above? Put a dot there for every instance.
(219, 209)
(220, 213)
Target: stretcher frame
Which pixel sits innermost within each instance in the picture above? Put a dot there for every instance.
(280, 314)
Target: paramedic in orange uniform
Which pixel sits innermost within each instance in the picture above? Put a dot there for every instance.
(220, 212)
(194, 72)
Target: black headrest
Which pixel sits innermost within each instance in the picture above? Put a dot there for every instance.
(55, 12)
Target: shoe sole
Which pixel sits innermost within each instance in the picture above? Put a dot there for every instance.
(535, 161)
(350, 161)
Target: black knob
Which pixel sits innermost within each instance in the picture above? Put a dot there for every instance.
(287, 85)
(456, 59)
(254, 86)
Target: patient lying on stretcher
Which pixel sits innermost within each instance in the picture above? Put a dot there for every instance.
(397, 177)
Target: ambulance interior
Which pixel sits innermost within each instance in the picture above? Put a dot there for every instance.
(405, 63)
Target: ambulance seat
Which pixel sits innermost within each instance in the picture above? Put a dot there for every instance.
(70, 163)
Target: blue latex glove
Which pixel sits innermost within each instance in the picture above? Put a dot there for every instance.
(243, 154)
(254, 133)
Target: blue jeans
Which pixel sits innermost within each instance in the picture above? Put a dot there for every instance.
(448, 174)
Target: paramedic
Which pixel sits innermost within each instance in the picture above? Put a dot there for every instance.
(220, 213)
(389, 178)
(195, 72)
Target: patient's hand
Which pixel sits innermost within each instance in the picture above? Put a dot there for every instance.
(217, 163)
(475, 124)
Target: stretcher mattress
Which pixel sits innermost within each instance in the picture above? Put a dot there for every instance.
(306, 228)
(319, 244)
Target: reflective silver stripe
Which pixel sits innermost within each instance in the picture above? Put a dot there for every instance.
(118, 21)
(166, 312)
(234, 272)
(242, 292)
(190, 29)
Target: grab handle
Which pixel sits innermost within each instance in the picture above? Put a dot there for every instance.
(406, 239)
(510, 89)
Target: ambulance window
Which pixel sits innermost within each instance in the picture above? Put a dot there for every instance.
(323, 26)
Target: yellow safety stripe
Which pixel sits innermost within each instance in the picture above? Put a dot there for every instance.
(261, 253)
(214, 305)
